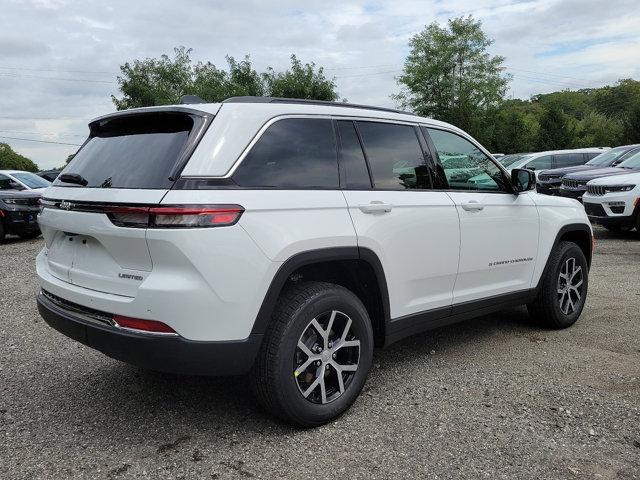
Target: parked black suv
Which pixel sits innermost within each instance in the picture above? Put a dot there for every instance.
(18, 212)
(575, 184)
(549, 181)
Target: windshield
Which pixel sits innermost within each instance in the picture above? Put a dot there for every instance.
(633, 162)
(137, 151)
(607, 158)
(510, 159)
(31, 180)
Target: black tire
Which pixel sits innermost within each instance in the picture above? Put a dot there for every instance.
(547, 308)
(274, 378)
(2, 233)
(29, 236)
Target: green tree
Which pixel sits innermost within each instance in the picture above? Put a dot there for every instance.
(517, 127)
(162, 81)
(449, 75)
(214, 85)
(155, 81)
(10, 160)
(597, 130)
(302, 81)
(556, 131)
(632, 124)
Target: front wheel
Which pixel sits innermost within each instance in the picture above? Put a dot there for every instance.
(316, 355)
(564, 286)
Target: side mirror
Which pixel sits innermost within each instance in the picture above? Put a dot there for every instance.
(522, 180)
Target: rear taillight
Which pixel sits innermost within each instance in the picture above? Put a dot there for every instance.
(151, 326)
(175, 216)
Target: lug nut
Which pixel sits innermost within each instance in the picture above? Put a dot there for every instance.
(326, 366)
(318, 363)
(330, 344)
(334, 356)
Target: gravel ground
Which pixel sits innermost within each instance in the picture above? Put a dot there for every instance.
(494, 397)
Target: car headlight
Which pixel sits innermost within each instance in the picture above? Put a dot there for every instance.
(626, 188)
(10, 201)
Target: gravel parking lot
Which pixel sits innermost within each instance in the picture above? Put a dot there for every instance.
(494, 397)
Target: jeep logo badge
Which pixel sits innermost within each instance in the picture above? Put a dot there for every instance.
(65, 205)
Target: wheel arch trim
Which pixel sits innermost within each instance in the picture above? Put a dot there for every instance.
(311, 257)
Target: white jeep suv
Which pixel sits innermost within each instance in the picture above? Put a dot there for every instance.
(614, 202)
(286, 239)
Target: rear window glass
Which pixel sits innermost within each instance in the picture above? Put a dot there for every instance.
(292, 153)
(132, 151)
(31, 180)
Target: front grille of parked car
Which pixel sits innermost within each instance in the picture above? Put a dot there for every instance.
(573, 183)
(32, 201)
(548, 178)
(595, 210)
(74, 308)
(596, 189)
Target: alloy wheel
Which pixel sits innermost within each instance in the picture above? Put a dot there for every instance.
(326, 357)
(570, 283)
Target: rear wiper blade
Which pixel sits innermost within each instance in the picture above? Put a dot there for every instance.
(73, 178)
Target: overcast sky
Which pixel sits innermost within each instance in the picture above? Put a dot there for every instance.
(59, 58)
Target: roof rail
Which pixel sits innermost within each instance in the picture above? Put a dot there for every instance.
(250, 99)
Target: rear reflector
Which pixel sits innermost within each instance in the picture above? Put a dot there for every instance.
(175, 216)
(142, 325)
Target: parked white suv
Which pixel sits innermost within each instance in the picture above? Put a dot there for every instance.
(286, 238)
(614, 202)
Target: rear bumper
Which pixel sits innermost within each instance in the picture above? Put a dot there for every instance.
(21, 221)
(166, 353)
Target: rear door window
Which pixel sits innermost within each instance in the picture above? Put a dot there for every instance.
(395, 157)
(540, 163)
(352, 162)
(292, 153)
(569, 159)
(132, 151)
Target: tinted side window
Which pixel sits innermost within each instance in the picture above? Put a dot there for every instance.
(540, 163)
(465, 166)
(395, 156)
(292, 153)
(352, 162)
(570, 159)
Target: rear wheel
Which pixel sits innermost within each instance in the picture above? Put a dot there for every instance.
(315, 356)
(564, 287)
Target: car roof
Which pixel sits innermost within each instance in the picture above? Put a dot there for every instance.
(226, 139)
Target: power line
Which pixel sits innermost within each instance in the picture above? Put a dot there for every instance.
(41, 141)
(16, 75)
(369, 74)
(56, 70)
(363, 66)
(43, 133)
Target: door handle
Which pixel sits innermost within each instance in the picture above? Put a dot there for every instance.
(472, 206)
(375, 207)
